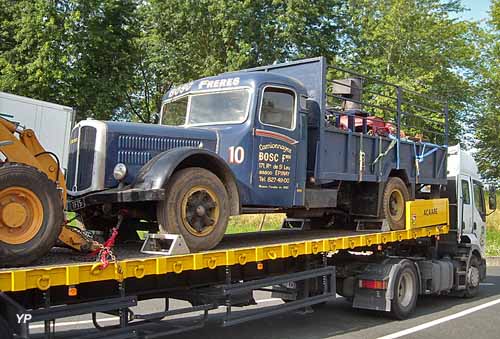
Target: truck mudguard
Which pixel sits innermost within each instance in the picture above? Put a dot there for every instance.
(384, 271)
(155, 173)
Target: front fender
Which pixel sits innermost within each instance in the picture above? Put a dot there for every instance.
(154, 174)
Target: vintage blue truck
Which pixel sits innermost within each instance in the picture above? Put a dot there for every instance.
(279, 138)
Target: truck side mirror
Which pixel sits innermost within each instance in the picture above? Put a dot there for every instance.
(492, 198)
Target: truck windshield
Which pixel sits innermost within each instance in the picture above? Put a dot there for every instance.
(207, 108)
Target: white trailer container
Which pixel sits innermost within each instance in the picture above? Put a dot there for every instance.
(51, 122)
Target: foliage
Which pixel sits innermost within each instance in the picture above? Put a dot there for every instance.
(101, 54)
(201, 38)
(32, 56)
(77, 53)
(488, 119)
(114, 59)
(421, 46)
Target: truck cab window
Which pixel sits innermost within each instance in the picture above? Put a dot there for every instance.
(278, 108)
(479, 199)
(465, 192)
(221, 107)
(174, 113)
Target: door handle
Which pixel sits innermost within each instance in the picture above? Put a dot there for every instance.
(474, 227)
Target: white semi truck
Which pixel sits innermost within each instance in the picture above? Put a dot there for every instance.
(51, 122)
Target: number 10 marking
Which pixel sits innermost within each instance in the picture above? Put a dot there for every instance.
(236, 155)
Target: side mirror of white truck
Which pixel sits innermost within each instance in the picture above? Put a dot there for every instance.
(492, 198)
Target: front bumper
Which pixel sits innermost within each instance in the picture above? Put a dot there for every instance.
(113, 196)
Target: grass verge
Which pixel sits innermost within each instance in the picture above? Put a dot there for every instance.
(252, 223)
(493, 231)
(493, 242)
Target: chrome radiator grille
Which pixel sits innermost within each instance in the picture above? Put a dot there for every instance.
(81, 158)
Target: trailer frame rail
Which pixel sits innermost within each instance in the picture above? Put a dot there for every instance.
(154, 325)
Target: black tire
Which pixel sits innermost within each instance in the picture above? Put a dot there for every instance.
(405, 291)
(394, 200)
(44, 235)
(201, 197)
(5, 330)
(473, 278)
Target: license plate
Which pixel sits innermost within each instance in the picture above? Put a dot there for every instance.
(76, 204)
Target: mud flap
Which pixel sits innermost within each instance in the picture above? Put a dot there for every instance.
(377, 299)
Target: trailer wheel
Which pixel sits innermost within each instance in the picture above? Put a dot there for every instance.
(5, 329)
(31, 214)
(196, 206)
(394, 200)
(473, 278)
(405, 290)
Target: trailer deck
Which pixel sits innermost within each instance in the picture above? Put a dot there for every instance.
(65, 268)
(296, 265)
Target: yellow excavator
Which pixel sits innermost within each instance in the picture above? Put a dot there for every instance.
(32, 199)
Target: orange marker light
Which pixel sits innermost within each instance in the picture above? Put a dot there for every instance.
(260, 266)
(72, 291)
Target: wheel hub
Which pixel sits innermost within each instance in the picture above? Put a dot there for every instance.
(473, 276)
(21, 215)
(405, 289)
(14, 215)
(200, 211)
(396, 204)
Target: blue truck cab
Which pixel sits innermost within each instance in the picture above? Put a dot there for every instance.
(279, 138)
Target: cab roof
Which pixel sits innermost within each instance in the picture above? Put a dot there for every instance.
(230, 80)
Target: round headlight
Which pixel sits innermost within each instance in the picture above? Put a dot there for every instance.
(120, 171)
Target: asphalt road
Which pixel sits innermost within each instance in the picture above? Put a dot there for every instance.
(435, 317)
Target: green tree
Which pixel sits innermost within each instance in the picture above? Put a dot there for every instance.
(102, 54)
(32, 60)
(488, 118)
(74, 52)
(420, 45)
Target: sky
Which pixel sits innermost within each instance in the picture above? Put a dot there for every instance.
(478, 9)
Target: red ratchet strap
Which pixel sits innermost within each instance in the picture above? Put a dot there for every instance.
(105, 251)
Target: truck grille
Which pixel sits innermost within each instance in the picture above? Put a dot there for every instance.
(133, 142)
(138, 150)
(81, 155)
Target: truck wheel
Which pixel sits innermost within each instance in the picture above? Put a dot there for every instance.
(31, 214)
(405, 291)
(473, 278)
(196, 206)
(5, 330)
(394, 200)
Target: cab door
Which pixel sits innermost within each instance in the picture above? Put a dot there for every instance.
(278, 136)
(479, 213)
(465, 205)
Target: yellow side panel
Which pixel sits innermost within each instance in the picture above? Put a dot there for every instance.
(423, 213)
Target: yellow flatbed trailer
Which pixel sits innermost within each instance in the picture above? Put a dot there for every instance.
(320, 263)
(234, 250)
